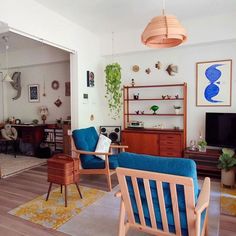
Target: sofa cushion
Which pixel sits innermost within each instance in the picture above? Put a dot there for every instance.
(86, 140)
(173, 166)
(97, 163)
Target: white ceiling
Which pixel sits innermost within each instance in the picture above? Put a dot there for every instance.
(105, 16)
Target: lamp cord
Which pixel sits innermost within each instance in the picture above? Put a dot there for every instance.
(163, 7)
(112, 47)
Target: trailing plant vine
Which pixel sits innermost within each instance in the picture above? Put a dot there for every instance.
(113, 89)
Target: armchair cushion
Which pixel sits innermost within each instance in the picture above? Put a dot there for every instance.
(97, 163)
(86, 140)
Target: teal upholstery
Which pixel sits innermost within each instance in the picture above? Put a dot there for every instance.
(86, 140)
(173, 166)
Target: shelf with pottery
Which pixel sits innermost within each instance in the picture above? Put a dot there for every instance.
(164, 141)
(154, 99)
(159, 114)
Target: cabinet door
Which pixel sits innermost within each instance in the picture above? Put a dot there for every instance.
(170, 145)
(142, 143)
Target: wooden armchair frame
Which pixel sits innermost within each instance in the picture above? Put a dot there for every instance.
(193, 212)
(106, 171)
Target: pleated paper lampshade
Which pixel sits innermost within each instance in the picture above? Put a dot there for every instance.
(164, 31)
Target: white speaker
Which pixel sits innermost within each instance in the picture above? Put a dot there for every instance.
(112, 132)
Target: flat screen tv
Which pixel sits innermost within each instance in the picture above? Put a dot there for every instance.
(221, 129)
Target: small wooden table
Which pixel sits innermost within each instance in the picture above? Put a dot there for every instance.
(63, 170)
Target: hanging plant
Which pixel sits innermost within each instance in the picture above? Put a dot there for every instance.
(113, 89)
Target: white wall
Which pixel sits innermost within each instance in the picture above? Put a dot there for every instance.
(185, 58)
(33, 18)
(27, 111)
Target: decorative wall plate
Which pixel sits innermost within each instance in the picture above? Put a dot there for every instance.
(58, 102)
(55, 84)
(135, 68)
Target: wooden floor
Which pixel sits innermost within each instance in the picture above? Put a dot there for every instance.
(24, 187)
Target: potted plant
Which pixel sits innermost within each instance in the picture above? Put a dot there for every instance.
(177, 109)
(202, 145)
(113, 89)
(227, 163)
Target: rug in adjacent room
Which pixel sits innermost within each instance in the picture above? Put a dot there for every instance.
(228, 201)
(53, 213)
(9, 165)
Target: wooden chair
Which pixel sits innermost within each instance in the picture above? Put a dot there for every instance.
(160, 203)
(84, 142)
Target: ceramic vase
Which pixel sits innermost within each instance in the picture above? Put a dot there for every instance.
(228, 177)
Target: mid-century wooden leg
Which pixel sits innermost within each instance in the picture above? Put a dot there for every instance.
(49, 190)
(65, 195)
(109, 182)
(61, 188)
(78, 190)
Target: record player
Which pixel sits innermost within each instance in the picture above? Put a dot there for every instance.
(135, 124)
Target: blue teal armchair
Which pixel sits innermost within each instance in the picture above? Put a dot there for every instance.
(84, 144)
(160, 196)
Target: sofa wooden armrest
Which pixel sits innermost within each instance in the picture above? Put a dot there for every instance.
(91, 153)
(202, 204)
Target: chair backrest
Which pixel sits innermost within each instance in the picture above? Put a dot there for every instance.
(85, 139)
(162, 202)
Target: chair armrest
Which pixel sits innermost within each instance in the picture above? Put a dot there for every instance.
(92, 153)
(204, 196)
(202, 204)
(118, 146)
(118, 194)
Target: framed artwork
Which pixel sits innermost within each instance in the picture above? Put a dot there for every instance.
(90, 79)
(67, 88)
(214, 83)
(33, 92)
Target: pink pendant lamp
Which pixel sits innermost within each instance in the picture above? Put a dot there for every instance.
(164, 31)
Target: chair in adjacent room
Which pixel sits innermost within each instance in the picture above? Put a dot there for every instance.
(160, 196)
(84, 143)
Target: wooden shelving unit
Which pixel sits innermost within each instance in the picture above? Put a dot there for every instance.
(54, 138)
(128, 102)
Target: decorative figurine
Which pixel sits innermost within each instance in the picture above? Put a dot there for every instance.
(142, 112)
(177, 96)
(137, 112)
(154, 108)
(148, 71)
(163, 97)
(168, 96)
(132, 82)
(136, 96)
(158, 65)
(172, 69)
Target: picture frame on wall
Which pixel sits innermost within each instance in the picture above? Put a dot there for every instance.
(90, 79)
(214, 83)
(33, 93)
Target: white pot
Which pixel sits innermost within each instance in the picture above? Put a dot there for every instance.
(201, 148)
(177, 111)
(228, 177)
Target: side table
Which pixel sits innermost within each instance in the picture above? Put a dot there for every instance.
(63, 170)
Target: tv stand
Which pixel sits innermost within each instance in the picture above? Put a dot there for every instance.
(206, 161)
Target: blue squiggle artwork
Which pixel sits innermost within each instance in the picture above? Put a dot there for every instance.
(213, 74)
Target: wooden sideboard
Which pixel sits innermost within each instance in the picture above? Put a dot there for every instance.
(33, 134)
(206, 161)
(164, 142)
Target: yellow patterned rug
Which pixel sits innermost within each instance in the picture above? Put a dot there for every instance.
(53, 213)
(228, 201)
